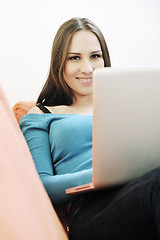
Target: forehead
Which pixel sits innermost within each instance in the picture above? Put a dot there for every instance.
(84, 40)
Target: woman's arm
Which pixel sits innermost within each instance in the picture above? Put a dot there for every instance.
(38, 141)
(56, 185)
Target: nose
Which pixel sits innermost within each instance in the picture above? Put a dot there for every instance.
(86, 67)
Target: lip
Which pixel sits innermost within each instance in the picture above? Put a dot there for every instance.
(85, 80)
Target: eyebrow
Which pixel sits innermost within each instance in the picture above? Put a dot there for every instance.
(97, 51)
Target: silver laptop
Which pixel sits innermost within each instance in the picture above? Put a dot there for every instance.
(126, 125)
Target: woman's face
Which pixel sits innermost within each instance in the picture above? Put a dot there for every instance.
(84, 56)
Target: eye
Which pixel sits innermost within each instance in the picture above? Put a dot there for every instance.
(94, 56)
(74, 58)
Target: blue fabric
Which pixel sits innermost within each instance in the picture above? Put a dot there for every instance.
(65, 138)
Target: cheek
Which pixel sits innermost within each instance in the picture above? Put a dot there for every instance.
(102, 63)
(69, 69)
(99, 64)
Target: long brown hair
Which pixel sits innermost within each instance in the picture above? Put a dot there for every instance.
(55, 91)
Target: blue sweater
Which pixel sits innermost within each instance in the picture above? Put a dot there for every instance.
(65, 139)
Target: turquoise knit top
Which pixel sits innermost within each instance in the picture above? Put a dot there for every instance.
(64, 140)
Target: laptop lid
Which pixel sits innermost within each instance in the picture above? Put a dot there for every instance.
(126, 124)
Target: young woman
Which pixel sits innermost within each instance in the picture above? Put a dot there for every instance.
(61, 144)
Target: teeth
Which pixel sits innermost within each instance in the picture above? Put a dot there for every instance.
(85, 79)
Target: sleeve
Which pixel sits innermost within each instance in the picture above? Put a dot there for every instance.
(37, 138)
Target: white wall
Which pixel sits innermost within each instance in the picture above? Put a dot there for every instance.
(27, 29)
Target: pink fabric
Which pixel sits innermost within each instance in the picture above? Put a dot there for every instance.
(25, 209)
(20, 109)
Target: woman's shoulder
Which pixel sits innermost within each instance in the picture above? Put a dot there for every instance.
(60, 110)
(36, 118)
(35, 110)
(52, 109)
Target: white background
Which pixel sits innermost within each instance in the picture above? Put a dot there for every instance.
(27, 29)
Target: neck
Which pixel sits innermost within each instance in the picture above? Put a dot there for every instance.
(83, 105)
(83, 101)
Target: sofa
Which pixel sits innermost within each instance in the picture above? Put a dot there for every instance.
(26, 211)
(20, 109)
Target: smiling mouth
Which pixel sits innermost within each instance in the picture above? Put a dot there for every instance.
(84, 80)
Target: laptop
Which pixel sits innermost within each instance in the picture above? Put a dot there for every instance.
(126, 125)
